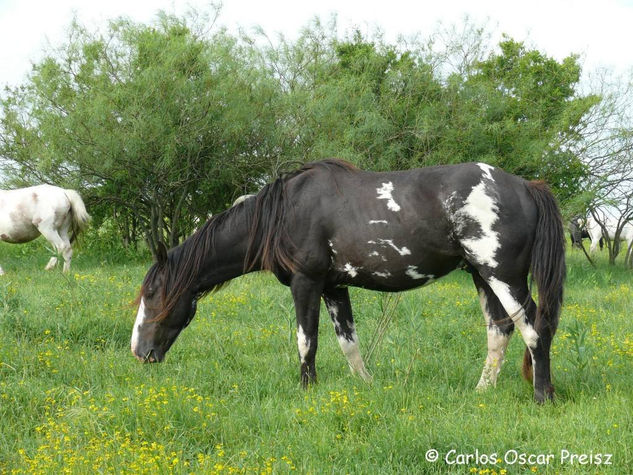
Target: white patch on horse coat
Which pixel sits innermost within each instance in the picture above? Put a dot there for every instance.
(497, 345)
(486, 169)
(384, 275)
(332, 309)
(412, 271)
(352, 354)
(374, 254)
(332, 247)
(378, 221)
(140, 318)
(515, 311)
(351, 270)
(385, 193)
(403, 251)
(481, 208)
(303, 343)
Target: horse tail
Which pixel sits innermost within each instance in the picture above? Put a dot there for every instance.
(547, 264)
(80, 217)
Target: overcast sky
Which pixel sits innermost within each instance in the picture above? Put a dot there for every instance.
(601, 31)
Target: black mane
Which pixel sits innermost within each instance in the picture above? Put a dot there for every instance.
(269, 244)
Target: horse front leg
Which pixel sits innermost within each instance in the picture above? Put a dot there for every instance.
(306, 293)
(340, 310)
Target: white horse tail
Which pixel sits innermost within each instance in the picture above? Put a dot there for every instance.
(80, 216)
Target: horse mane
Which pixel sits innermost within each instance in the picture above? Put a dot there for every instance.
(269, 244)
(184, 263)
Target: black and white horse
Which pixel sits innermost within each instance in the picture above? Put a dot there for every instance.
(329, 225)
(57, 214)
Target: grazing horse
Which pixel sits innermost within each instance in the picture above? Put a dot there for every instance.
(26, 213)
(330, 225)
(610, 222)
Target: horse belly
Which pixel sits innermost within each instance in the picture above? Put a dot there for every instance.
(17, 232)
(387, 266)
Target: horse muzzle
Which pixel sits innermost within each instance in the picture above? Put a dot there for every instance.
(151, 356)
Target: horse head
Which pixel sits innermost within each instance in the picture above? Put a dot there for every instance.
(164, 311)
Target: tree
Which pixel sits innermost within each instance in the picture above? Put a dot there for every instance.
(154, 123)
(606, 149)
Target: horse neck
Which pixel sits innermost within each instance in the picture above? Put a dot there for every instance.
(225, 257)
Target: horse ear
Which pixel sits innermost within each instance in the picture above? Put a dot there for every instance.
(161, 252)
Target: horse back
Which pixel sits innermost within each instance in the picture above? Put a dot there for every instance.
(420, 222)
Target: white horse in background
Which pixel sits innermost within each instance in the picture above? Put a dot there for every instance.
(610, 223)
(241, 199)
(48, 210)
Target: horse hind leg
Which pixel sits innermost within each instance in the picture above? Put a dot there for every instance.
(340, 309)
(499, 331)
(518, 303)
(51, 263)
(60, 242)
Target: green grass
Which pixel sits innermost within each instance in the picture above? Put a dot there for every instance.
(227, 398)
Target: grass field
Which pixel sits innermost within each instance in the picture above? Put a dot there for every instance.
(227, 398)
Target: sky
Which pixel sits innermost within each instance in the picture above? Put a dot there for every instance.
(599, 31)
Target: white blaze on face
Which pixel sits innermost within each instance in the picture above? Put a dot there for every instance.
(378, 221)
(303, 343)
(481, 208)
(140, 318)
(385, 193)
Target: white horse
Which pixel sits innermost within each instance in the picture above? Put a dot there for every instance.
(242, 198)
(610, 223)
(26, 213)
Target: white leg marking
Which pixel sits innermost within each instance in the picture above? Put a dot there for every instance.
(140, 318)
(482, 208)
(497, 344)
(352, 353)
(385, 193)
(51, 264)
(515, 310)
(303, 343)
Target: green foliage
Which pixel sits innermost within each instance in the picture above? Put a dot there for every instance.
(228, 398)
(158, 125)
